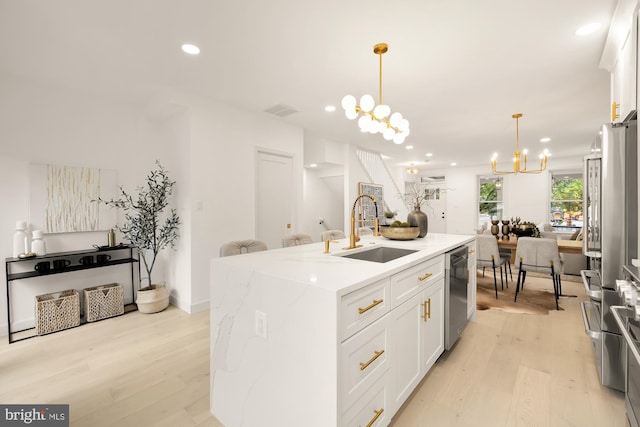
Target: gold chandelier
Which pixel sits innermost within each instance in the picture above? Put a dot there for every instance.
(520, 158)
(377, 118)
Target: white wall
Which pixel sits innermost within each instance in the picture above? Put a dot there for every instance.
(51, 125)
(209, 149)
(323, 198)
(224, 143)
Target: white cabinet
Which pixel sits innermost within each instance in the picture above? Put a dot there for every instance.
(417, 338)
(471, 281)
(395, 333)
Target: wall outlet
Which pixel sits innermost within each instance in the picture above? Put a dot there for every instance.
(261, 324)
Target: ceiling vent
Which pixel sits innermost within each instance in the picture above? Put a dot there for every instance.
(281, 110)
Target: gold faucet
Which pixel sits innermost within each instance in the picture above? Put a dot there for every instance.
(376, 223)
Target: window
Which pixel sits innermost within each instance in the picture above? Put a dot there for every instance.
(490, 199)
(566, 201)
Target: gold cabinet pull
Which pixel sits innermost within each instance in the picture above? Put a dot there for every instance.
(369, 307)
(426, 309)
(376, 354)
(425, 277)
(375, 417)
(471, 251)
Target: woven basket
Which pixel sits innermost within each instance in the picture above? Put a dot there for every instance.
(102, 302)
(57, 311)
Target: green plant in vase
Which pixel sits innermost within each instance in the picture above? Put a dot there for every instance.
(150, 229)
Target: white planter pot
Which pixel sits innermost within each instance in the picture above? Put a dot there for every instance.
(153, 300)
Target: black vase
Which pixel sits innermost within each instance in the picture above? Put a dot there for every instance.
(417, 218)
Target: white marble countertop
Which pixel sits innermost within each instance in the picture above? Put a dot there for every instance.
(309, 265)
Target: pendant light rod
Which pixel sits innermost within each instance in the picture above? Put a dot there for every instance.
(380, 49)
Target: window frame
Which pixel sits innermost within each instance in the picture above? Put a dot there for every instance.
(499, 202)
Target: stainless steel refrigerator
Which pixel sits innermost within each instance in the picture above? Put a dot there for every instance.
(610, 240)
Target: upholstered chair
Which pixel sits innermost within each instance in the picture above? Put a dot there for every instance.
(542, 256)
(238, 247)
(296, 239)
(364, 231)
(332, 235)
(489, 256)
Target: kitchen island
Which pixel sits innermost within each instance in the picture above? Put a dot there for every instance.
(301, 337)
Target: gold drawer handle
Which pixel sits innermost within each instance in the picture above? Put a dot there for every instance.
(373, 304)
(426, 312)
(376, 354)
(425, 277)
(375, 417)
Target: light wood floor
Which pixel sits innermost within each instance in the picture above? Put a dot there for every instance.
(153, 370)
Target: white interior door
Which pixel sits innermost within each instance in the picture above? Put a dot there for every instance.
(436, 207)
(274, 197)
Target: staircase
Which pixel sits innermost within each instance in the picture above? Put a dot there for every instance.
(378, 173)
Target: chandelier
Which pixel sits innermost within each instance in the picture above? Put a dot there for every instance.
(520, 158)
(377, 118)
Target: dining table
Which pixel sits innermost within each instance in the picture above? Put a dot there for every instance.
(564, 246)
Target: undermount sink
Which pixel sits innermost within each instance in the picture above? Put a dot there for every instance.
(380, 254)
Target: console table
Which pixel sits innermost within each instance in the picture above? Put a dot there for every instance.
(126, 255)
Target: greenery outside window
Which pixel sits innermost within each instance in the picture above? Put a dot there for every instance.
(490, 199)
(566, 201)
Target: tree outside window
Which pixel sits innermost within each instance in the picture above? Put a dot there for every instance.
(566, 201)
(490, 199)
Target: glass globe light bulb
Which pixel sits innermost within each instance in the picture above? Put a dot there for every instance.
(348, 102)
(395, 119)
(388, 134)
(398, 139)
(367, 103)
(351, 113)
(381, 111)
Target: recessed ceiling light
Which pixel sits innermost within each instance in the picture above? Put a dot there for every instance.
(453, 164)
(429, 154)
(545, 139)
(191, 49)
(588, 29)
(313, 165)
(409, 147)
(330, 108)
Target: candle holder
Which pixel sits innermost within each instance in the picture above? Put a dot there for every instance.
(505, 229)
(494, 227)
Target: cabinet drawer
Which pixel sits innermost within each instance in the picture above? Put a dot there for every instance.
(364, 358)
(407, 283)
(372, 410)
(362, 307)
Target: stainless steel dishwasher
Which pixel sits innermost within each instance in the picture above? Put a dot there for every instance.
(455, 295)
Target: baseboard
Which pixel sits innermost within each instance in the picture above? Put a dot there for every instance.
(201, 306)
(16, 326)
(189, 308)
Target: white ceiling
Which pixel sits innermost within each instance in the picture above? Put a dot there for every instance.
(457, 70)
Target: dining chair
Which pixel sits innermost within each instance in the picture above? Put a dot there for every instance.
(296, 239)
(489, 256)
(238, 247)
(364, 231)
(332, 235)
(542, 256)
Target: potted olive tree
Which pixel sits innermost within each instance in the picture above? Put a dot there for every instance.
(150, 229)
